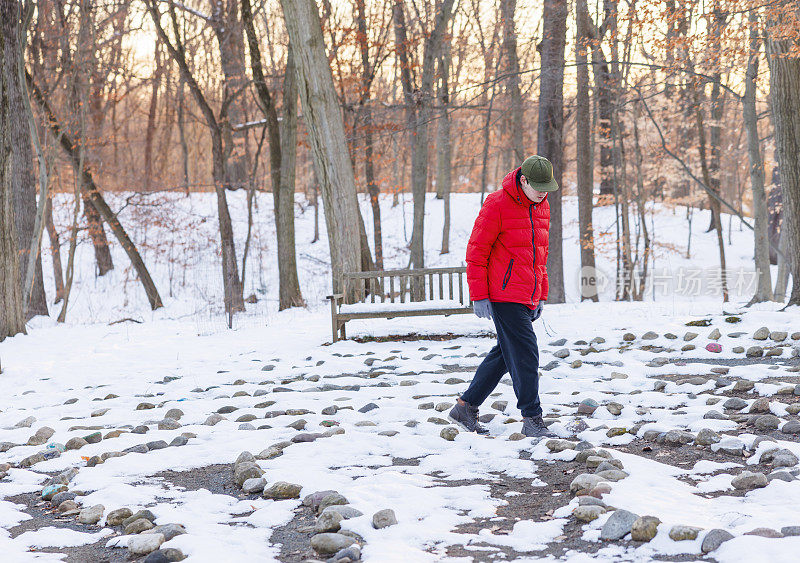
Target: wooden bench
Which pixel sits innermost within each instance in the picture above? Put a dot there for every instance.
(386, 294)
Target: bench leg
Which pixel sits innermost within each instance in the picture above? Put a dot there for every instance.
(343, 336)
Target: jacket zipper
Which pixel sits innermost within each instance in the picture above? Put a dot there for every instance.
(533, 243)
(508, 273)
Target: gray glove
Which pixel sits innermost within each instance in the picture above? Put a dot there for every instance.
(483, 308)
(537, 312)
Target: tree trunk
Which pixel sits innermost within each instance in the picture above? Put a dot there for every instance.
(584, 157)
(102, 251)
(93, 192)
(322, 113)
(283, 157)
(785, 93)
(150, 132)
(55, 251)
(550, 131)
(507, 9)
(444, 145)
(12, 320)
(761, 254)
(23, 185)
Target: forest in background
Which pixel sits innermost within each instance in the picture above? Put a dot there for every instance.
(694, 104)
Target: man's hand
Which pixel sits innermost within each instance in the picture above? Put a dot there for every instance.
(537, 312)
(483, 308)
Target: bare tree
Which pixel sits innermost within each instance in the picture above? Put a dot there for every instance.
(507, 9)
(550, 132)
(282, 151)
(444, 144)
(325, 125)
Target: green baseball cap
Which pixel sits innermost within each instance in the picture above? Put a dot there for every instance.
(539, 172)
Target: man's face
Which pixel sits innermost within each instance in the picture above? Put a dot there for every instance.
(534, 195)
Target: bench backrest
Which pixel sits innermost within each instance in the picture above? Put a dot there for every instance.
(424, 284)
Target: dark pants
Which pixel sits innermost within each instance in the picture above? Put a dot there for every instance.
(517, 352)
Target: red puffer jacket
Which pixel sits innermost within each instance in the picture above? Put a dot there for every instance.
(507, 251)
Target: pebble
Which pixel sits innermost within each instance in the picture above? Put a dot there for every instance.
(246, 470)
(689, 336)
(678, 437)
(169, 531)
(561, 354)
(516, 437)
(67, 506)
(714, 539)
(761, 334)
(683, 533)
(584, 482)
(330, 543)
(179, 441)
(145, 543)
(283, 490)
(346, 512)
(383, 519)
(75, 443)
(156, 445)
(116, 517)
(449, 433)
(644, 528)
(214, 419)
(649, 335)
(254, 485)
(346, 555)
(748, 480)
(556, 445)
(706, 436)
(588, 406)
(332, 499)
(500, 405)
(612, 475)
(778, 335)
(328, 522)
(791, 427)
(169, 424)
(764, 533)
(59, 498)
(618, 525)
(734, 404)
(145, 406)
(587, 513)
(92, 514)
(146, 514)
(139, 526)
(760, 405)
(755, 352)
(744, 385)
(368, 407)
(614, 408)
(790, 530)
(767, 422)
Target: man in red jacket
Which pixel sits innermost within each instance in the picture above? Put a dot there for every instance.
(507, 277)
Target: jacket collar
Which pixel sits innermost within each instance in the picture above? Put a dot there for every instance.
(512, 187)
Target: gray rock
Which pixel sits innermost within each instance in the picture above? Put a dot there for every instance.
(618, 525)
(743, 386)
(26, 422)
(246, 470)
(790, 531)
(761, 334)
(714, 415)
(32, 460)
(75, 443)
(747, 480)
(500, 405)
(780, 476)
(587, 513)
(332, 499)
(714, 539)
(683, 533)
(689, 336)
(755, 352)
(214, 419)
(116, 517)
(764, 533)
(767, 422)
(328, 522)
(559, 445)
(778, 335)
(586, 500)
(59, 498)
(714, 334)
(169, 531)
(645, 528)
(368, 407)
(92, 514)
(561, 354)
(316, 497)
(179, 441)
(346, 512)
(706, 437)
(346, 555)
(760, 405)
(612, 475)
(156, 445)
(791, 427)
(255, 485)
(169, 424)
(144, 543)
(784, 458)
(282, 490)
(174, 414)
(141, 429)
(678, 437)
(41, 436)
(735, 404)
(146, 514)
(584, 482)
(588, 406)
(449, 433)
(384, 518)
(328, 543)
(138, 526)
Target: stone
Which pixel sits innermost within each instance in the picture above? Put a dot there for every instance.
(368, 407)
(755, 352)
(282, 491)
(59, 498)
(706, 436)
(614, 408)
(52, 490)
(179, 441)
(246, 470)
(678, 437)
(645, 528)
(767, 422)
(562, 353)
(75, 443)
(628, 337)
(618, 525)
(729, 445)
(584, 481)
(243, 457)
(145, 406)
(156, 445)
(516, 437)
(609, 464)
(734, 404)
(346, 512)
(92, 514)
(328, 522)
(500, 405)
(174, 414)
(254, 485)
(32, 460)
(449, 433)
(346, 555)
(612, 475)
(778, 335)
(332, 499)
(784, 458)
(138, 526)
(441, 407)
(169, 531)
(791, 427)
(714, 347)
(330, 543)
(761, 334)
(616, 431)
(747, 480)
(618, 375)
(743, 386)
(793, 408)
(649, 335)
(93, 438)
(760, 405)
(738, 349)
(146, 514)
(764, 533)
(683, 533)
(214, 419)
(313, 499)
(689, 336)
(688, 347)
(383, 519)
(41, 436)
(588, 406)
(559, 445)
(714, 539)
(587, 513)
(298, 424)
(116, 517)
(714, 334)
(169, 424)
(67, 506)
(145, 543)
(790, 531)
(141, 429)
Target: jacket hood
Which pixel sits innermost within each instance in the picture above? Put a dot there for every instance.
(512, 187)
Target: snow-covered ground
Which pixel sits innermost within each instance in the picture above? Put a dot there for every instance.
(88, 373)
